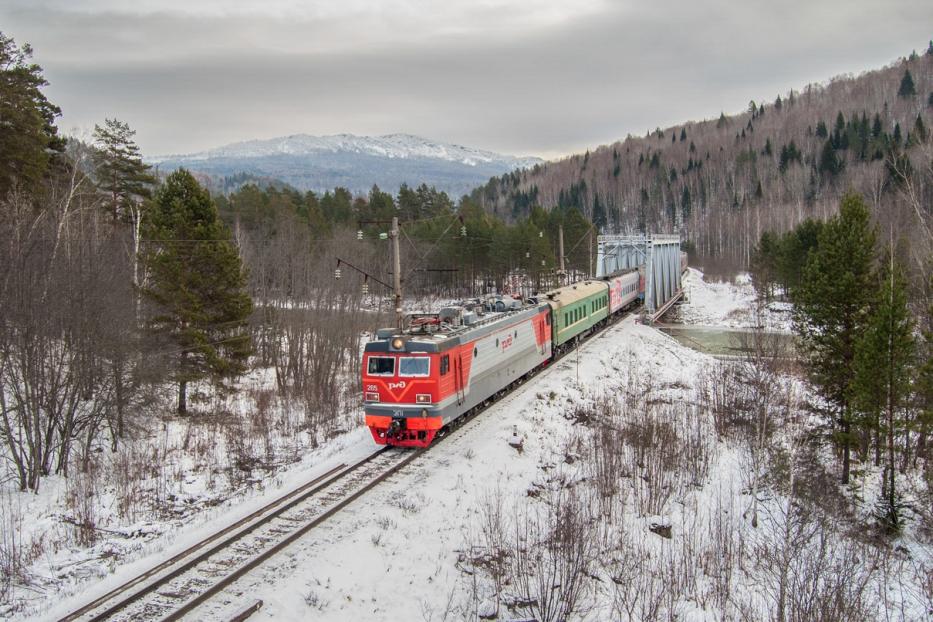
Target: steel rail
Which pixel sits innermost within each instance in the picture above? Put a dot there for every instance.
(279, 507)
(260, 517)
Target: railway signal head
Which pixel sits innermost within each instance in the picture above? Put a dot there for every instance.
(365, 288)
(337, 274)
(463, 231)
(359, 234)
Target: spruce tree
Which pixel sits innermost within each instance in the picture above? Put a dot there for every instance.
(920, 133)
(907, 88)
(884, 365)
(198, 284)
(831, 310)
(830, 162)
(29, 140)
(120, 171)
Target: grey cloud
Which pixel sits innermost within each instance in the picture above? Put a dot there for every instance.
(189, 83)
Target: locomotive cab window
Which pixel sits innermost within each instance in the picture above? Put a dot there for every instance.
(414, 366)
(381, 366)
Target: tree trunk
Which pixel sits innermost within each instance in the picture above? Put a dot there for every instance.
(183, 397)
(846, 448)
(183, 387)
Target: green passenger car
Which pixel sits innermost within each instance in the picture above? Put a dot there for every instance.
(575, 309)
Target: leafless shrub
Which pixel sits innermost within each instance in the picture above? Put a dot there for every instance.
(721, 393)
(81, 502)
(313, 600)
(13, 552)
(553, 552)
(540, 558)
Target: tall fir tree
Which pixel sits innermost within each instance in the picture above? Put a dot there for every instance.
(830, 162)
(198, 284)
(831, 310)
(29, 140)
(907, 88)
(884, 367)
(120, 171)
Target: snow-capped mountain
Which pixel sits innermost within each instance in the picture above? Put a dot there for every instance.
(356, 162)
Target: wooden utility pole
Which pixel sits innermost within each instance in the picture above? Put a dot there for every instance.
(560, 246)
(396, 271)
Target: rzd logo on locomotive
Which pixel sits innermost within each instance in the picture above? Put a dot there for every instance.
(397, 385)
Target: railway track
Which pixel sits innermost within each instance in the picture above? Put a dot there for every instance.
(180, 584)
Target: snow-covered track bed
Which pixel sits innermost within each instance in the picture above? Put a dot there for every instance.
(180, 584)
(183, 583)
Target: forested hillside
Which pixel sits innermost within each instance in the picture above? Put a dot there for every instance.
(721, 182)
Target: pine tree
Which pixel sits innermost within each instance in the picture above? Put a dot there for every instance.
(907, 88)
(884, 365)
(778, 104)
(29, 140)
(683, 134)
(120, 170)
(821, 130)
(197, 282)
(831, 309)
(723, 121)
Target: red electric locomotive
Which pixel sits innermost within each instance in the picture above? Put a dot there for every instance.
(417, 380)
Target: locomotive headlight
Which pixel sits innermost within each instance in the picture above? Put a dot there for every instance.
(372, 397)
(423, 398)
(398, 343)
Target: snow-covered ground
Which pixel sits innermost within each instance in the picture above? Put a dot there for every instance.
(730, 304)
(394, 554)
(402, 552)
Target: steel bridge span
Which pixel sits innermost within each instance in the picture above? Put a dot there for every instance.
(660, 256)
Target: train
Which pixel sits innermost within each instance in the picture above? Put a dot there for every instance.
(417, 381)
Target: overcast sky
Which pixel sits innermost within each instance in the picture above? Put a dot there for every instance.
(526, 77)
